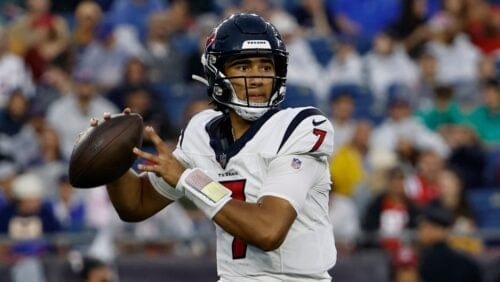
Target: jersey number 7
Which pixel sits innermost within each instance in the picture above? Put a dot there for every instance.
(321, 134)
(239, 247)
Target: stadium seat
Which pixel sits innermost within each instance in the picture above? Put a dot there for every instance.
(485, 204)
(492, 169)
(299, 96)
(363, 98)
(321, 48)
(175, 99)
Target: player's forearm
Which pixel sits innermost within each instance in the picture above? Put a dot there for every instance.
(263, 224)
(253, 223)
(133, 198)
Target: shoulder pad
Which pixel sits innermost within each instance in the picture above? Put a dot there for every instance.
(309, 132)
(197, 122)
(193, 137)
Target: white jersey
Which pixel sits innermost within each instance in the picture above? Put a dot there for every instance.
(287, 139)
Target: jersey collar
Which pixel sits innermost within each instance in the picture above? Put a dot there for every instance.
(221, 139)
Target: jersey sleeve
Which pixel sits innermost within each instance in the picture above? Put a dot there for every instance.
(291, 177)
(309, 132)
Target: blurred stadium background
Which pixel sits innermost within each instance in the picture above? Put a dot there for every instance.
(411, 86)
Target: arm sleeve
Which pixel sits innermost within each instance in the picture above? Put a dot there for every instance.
(291, 177)
(163, 188)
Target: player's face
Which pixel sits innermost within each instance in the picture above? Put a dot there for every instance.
(256, 78)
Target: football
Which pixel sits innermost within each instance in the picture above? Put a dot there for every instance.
(104, 153)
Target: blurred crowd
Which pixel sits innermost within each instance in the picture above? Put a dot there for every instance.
(411, 86)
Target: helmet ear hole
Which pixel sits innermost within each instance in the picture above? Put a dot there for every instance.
(223, 93)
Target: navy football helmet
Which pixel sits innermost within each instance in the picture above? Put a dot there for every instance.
(244, 35)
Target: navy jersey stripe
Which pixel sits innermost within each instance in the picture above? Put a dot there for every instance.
(221, 140)
(182, 137)
(296, 121)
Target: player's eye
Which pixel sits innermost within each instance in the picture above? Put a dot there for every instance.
(267, 68)
(242, 67)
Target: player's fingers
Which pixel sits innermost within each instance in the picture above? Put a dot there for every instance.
(107, 116)
(94, 122)
(152, 168)
(147, 156)
(160, 146)
(127, 111)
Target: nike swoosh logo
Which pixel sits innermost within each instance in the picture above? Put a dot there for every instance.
(316, 123)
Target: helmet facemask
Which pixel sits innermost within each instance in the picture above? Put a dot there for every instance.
(244, 36)
(224, 91)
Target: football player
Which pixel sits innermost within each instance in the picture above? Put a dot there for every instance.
(259, 172)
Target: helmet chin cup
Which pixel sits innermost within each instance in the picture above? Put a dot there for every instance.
(247, 113)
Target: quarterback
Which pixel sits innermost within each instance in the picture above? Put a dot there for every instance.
(258, 171)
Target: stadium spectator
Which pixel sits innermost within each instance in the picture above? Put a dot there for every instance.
(426, 83)
(390, 213)
(96, 270)
(405, 265)
(69, 207)
(54, 83)
(380, 62)
(19, 137)
(40, 36)
(197, 104)
(265, 8)
(303, 68)
(163, 46)
(140, 100)
(70, 114)
(312, 15)
(29, 216)
(487, 70)
(135, 13)
(423, 186)
(444, 110)
(8, 172)
(467, 156)
(88, 16)
(486, 117)
(48, 163)
(410, 28)
(105, 58)
(202, 28)
(401, 127)
(342, 106)
(13, 72)
(169, 225)
(15, 114)
(136, 74)
(483, 26)
(457, 57)
(348, 163)
(452, 196)
(346, 221)
(439, 262)
(345, 67)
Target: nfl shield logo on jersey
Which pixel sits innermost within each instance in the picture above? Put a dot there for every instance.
(296, 163)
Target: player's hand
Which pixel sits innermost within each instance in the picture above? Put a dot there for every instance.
(94, 122)
(164, 164)
(107, 116)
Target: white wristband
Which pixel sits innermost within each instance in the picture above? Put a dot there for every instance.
(163, 188)
(208, 195)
